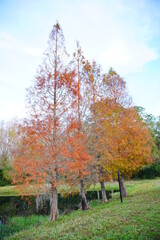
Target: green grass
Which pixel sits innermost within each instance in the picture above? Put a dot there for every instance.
(8, 191)
(136, 218)
(109, 186)
(17, 224)
(14, 191)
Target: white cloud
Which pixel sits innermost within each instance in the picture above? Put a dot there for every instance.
(33, 51)
(6, 41)
(116, 33)
(12, 110)
(127, 57)
(6, 45)
(10, 43)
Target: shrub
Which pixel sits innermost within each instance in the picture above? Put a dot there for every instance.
(148, 172)
(3, 180)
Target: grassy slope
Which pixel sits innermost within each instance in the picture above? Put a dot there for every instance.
(136, 218)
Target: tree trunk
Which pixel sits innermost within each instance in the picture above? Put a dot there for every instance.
(123, 188)
(104, 196)
(98, 195)
(85, 205)
(54, 204)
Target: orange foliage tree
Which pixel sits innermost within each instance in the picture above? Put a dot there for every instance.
(125, 142)
(79, 157)
(94, 83)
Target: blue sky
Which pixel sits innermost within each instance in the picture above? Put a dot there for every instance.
(121, 34)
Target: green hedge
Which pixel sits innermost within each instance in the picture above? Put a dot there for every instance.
(148, 172)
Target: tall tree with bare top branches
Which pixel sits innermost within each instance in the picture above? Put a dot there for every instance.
(49, 100)
(95, 94)
(80, 108)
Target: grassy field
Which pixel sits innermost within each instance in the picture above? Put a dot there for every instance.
(8, 191)
(138, 217)
(14, 191)
(132, 188)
